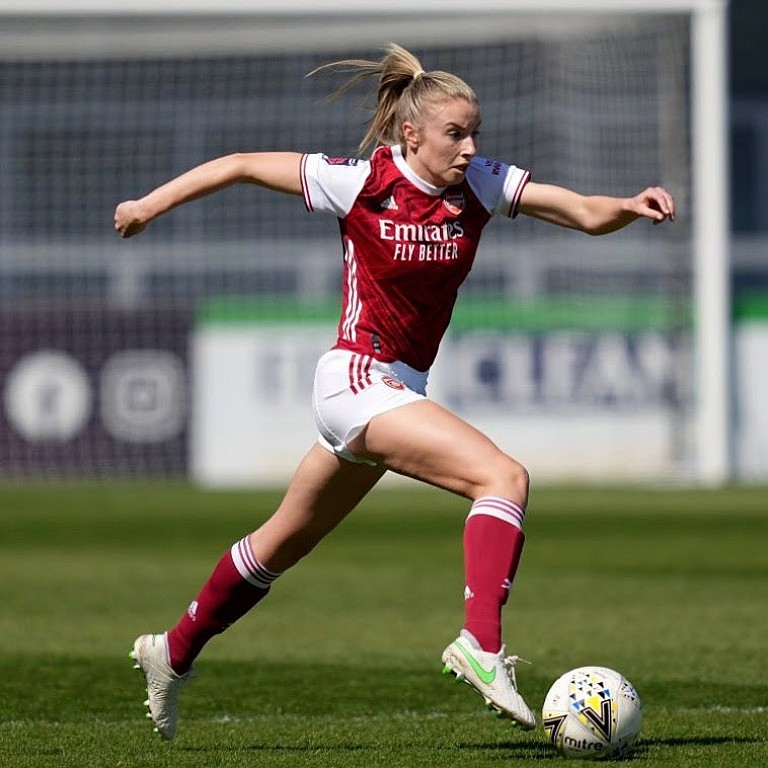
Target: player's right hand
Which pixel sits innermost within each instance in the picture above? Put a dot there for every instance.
(130, 219)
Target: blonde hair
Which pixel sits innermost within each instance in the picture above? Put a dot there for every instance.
(405, 92)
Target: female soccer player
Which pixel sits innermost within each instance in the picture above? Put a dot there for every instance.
(411, 218)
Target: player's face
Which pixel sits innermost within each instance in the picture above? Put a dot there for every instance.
(441, 146)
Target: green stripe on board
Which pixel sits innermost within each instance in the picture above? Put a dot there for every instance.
(751, 307)
(578, 313)
(574, 313)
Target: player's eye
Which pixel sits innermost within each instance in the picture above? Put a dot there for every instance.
(459, 135)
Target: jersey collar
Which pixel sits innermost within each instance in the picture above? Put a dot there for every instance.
(408, 172)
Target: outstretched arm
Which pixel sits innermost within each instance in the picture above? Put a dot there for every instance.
(275, 170)
(596, 214)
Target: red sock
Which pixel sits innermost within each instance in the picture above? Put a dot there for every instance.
(237, 583)
(493, 544)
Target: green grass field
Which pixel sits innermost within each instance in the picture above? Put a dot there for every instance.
(341, 665)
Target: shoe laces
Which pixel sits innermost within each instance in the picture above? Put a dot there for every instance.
(509, 663)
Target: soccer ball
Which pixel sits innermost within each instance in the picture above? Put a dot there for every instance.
(592, 712)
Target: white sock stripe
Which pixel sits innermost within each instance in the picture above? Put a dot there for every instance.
(489, 512)
(249, 567)
(246, 553)
(515, 512)
(500, 508)
(501, 503)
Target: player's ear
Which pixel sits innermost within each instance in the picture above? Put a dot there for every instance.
(411, 137)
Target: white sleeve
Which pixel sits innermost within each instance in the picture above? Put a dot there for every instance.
(332, 184)
(497, 185)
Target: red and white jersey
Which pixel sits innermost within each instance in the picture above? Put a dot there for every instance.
(408, 245)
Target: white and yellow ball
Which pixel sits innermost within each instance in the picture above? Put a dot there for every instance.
(591, 713)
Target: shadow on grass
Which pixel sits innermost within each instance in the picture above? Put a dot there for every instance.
(698, 741)
(299, 748)
(506, 749)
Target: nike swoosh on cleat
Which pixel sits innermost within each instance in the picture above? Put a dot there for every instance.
(487, 676)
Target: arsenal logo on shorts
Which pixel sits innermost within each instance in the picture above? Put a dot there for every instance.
(394, 383)
(454, 202)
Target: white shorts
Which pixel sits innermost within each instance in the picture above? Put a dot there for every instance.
(350, 389)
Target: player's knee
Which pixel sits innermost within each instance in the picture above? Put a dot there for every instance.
(519, 479)
(508, 478)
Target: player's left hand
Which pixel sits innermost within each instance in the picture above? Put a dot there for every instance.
(654, 203)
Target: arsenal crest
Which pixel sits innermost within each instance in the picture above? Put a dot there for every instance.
(454, 202)
(394, 383)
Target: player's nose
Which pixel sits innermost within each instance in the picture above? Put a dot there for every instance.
(469, 147)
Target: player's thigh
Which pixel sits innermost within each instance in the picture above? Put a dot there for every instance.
(426, 441)
(323, 491)
(327, 487)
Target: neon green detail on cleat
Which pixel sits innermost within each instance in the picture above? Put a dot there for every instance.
(487, 676)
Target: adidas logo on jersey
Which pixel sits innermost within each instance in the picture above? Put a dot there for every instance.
(389, 204)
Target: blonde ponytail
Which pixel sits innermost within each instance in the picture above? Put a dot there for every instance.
(404, 92)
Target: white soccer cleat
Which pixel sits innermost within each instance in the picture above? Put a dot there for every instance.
(150, 652)
(492, 675)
